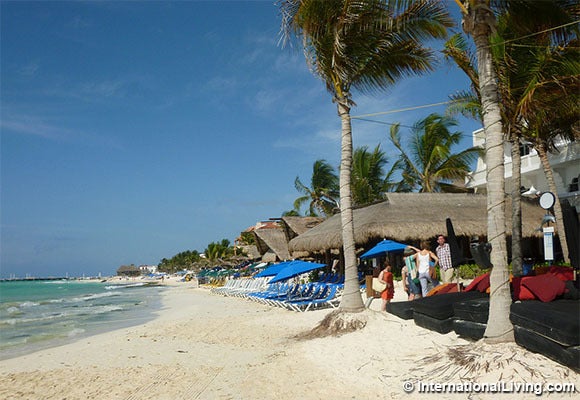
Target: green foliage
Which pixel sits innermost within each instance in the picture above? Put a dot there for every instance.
(178, 262)
(322, 194)
(470, 271)
(368, 175)
(248, 238)
(428, 164)
(221, 250)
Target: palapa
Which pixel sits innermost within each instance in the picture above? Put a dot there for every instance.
(414, 216)
(272, 239)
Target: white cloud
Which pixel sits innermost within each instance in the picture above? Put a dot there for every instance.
(31, 126)
(37, 126)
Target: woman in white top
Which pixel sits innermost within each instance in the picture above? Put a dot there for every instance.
(422, 259)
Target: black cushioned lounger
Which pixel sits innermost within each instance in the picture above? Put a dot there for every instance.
(469, 329)
(402, 309)
(476, 310)
(440, 306)
(557, 320)
(433, 324)
(568, 356)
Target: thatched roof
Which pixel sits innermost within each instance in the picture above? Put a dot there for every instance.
(251, 250)
(272, 239)
(414, 216)
(295, 226)
(128, 270)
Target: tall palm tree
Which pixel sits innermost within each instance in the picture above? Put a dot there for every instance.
(479, 22)
(429, 165)
(322, 194)
(364, 45)
(368, 175)
(525, 62)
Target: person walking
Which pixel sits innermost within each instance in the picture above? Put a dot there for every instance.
(445, 265)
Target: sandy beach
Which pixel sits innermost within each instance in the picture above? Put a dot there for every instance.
(205, 346)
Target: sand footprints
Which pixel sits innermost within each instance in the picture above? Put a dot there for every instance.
(175, 383)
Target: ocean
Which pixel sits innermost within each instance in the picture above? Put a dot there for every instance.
(41, 314)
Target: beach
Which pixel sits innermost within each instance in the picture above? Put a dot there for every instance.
(206, 346)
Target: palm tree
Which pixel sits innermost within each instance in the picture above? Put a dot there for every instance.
(364, 45)
(322, 193)
(219, 250)
(525, 62)
(368, 175)
(430, 166)
(479, 21)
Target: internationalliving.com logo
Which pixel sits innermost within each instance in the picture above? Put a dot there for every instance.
(536, 388)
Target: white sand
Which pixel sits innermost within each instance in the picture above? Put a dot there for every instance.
(205, 346)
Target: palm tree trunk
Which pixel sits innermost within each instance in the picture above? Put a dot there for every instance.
(517, 261)
(351, 297)
(543, 154)
(479, 22)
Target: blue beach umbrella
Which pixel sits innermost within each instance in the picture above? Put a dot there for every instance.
(295, 268)
(383, 247)
(272, 270)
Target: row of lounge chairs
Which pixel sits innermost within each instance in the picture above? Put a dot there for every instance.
(295, 297)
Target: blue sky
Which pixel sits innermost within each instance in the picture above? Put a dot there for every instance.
(131, 131)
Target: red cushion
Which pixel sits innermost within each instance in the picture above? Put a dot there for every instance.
(516, 282)
(525, 294)
(473, 285)
(545, 287)
(562, 273)
(448, 288)
(483, 284)
(452, 288)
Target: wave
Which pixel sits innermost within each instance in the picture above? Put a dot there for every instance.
(27, 304)
(95, 296)
(76, 331)
(124, 286)
(80, 312)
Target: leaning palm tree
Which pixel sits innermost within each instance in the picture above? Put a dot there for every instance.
(429, 164)
(322, 194)
(365, 45)
(368, 175)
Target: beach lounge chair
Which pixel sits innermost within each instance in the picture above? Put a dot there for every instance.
(471, 318)
(550, 328)
(323, 296)
(436, 312)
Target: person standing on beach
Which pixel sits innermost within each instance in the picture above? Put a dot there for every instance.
(386, 277)
(423, 259)
(413, 284)
(444, 253)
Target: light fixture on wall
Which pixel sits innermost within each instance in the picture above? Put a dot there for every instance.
(531, 192)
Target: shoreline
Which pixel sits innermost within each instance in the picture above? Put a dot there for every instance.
(206, 346)
(46, 338)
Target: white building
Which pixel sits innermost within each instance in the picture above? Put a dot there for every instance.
(565, 166)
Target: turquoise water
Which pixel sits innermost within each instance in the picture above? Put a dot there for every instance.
(41, 314)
